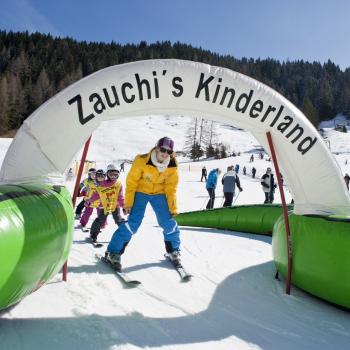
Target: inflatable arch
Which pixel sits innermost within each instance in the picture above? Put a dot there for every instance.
(56, 131)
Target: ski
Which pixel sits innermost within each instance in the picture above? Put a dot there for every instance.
(185, 276)
(95, 244)
(124, 278)
(84, 229)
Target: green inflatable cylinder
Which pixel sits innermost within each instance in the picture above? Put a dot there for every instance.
(320, 255)
(36, 228)
(257, 218)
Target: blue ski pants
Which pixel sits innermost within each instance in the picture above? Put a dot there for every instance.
(123, 234)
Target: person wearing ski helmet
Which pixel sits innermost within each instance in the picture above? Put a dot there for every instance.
(110, 194)
(89, 181)
(90, 205)
(153, 178)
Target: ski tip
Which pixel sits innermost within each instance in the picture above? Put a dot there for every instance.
(186, 278)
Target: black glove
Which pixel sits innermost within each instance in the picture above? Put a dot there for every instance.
(274, 186)
(240, 188)
(265, 185)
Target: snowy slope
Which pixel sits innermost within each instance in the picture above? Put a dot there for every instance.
(233, 302)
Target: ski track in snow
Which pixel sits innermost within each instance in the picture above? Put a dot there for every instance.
(232, 302)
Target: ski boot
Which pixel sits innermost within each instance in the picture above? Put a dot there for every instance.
(114, 260)
(77, 217)
(175, 258)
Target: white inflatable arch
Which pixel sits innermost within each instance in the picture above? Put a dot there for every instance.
(48, 140)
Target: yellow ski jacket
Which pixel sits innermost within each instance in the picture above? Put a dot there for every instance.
(146, 178)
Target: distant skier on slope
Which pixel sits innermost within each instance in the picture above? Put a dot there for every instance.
(268, 185)
(204, 174)
(347, 180)
(229, 182)
(211, 186)
(153, 178)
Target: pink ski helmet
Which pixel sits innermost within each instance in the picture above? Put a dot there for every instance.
(166, 142)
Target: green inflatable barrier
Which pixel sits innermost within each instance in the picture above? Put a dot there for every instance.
(36, 228)
(321, 255)
(320, 245)
(258, 218)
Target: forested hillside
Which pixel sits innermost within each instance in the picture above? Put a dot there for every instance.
(34, 67)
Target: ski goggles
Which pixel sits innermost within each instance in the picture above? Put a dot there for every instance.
(113, 173)
(166, 150)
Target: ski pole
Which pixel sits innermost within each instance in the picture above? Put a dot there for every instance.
(205, 200)
(235, 199)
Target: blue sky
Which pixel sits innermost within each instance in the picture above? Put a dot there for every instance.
(284, 30)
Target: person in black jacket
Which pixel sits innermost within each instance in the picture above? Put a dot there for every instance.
(204, 174)
(268, 185)
(347, 180)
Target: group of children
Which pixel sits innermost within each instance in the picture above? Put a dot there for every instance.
(153, 178)
(102, 191)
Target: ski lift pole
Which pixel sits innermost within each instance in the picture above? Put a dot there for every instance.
(285, 211)
(76, 192)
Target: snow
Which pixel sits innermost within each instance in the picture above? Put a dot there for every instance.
(233, 302)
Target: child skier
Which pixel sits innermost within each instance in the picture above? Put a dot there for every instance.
(110, 193)
(89, 181)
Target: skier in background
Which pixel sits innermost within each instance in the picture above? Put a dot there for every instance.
(211, 186)
(204, 174)
(153, 178)
(236, 168)
(229, 182)
(268, 185)
(244, 170)
(347, 179)
(253, 172)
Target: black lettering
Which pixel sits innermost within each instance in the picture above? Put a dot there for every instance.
(269, 109)
(256, 107)
(204, 85)
(156, 88)
(99, 106)
(126, 98)
(82, 120)
(296, 128)
(307, 139)
(282, 127)
(277, 116)
(177, 86)
(246, 103)
(226, 91)
(139, 86)
(217, 91)
(115, 94)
